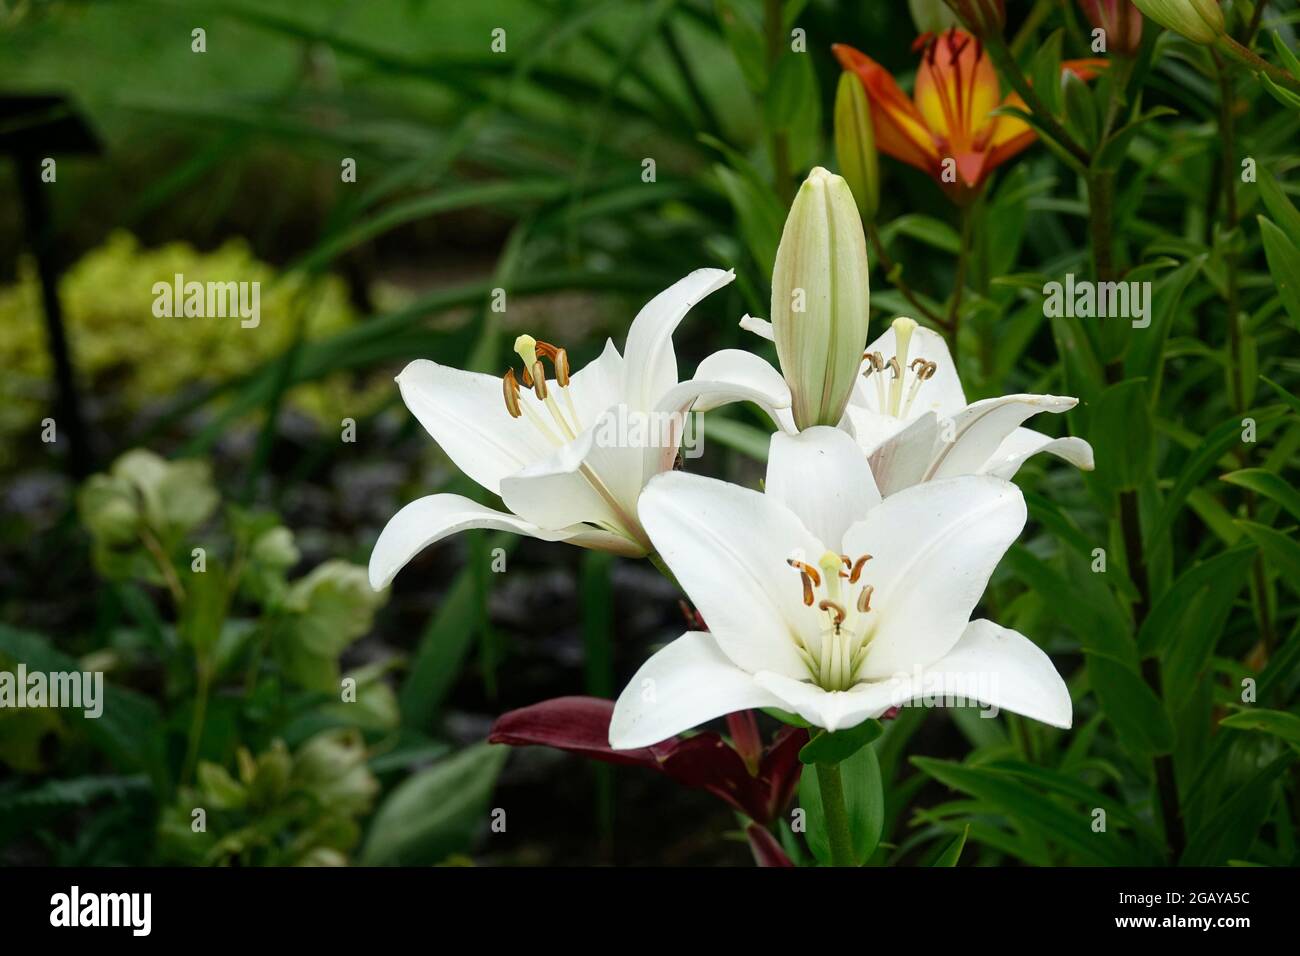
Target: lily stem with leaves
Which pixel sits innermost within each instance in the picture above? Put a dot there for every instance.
(953, 327)
(1236, 377)
(894, 276)
(831, 784)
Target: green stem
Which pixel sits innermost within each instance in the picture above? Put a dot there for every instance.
(1227, 134)
(897, 281)
(1248, 57)
(836, 813)
(196, 721)
(953, 327)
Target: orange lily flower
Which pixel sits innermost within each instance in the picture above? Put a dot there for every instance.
(948, 115)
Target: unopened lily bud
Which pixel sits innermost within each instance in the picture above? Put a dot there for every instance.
(820, 299)
(855, 145)
(1119, 20)
(1201, 21)
(981, 17)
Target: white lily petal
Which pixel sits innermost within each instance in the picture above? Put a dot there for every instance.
(980, 428)
(836, 710)
(902, 459)
(941, 394)
(465, 413)
(1004, 669)
(592, 479)
(595, 387)
(1023, 443)
(728, 547)
(727, 376)
(732, 375)
(760, 327)
(683, 685)
(935, 545)
(822, 476)
(432, 518)
(648, 358)
(870, 428)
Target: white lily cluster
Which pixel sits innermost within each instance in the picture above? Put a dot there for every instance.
(845, 587)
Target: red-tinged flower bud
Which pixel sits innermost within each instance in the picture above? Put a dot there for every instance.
(1120, 23)
(981, 17)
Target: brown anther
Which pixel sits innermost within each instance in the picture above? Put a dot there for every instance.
(895, 367)
(858, 565)
(510, 388)
(864, 599)
(834, 609)
(807, 589)
(561, 362)
(527, 377)
(539, 380)
(848, 564)
(927, 369)
(877, 361)
(807, 569)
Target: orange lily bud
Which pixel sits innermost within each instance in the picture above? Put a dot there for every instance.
(1120, 21)
(947, 128)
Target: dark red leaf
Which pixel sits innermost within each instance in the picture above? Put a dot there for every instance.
(779, 772)
(706, 761)
(579, 725)
(767, 851)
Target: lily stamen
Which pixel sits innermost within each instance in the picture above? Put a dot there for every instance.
(510, 388)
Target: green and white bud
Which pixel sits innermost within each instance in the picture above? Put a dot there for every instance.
(855, 145)
(1201, 21)
(821, 299)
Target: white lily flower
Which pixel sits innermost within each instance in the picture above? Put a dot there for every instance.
(910, 416)
(823, 600)
(568, 455)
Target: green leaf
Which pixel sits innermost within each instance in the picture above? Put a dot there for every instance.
(1236, 822)
(1279, 205)
(326, 611)
(437, 661)
(1269, 485)
(1280, 93)
(1284, 263)
(951, 851)
(833, 748)
(1278, 723)
(1099, 625)
(1213, 446)
(1080, 110)
(926, 229)
(761, 216)
(130, 730)
(1282, 550)
(743, 437)
(1119, 428)
(863, 797)
(792, 91)
(745, 37)
(1132, 708)
(1169, 615)
(436, 812)
(1029, 810)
